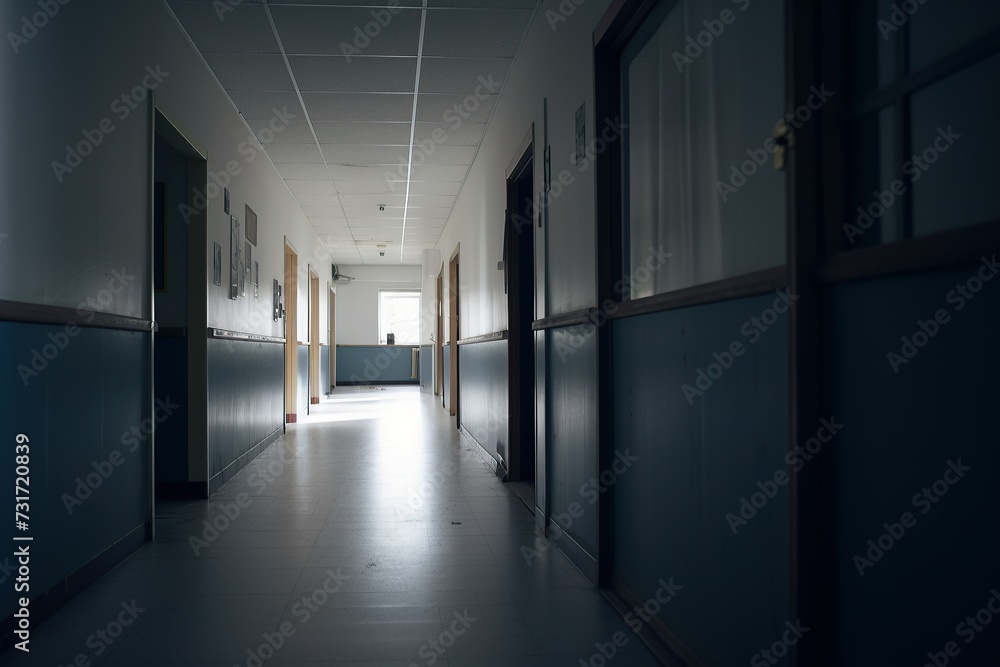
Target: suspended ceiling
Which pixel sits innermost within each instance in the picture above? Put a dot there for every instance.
(360, 102)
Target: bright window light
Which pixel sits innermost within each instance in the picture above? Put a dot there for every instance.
(399, 314)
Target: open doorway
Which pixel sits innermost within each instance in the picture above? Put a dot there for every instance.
(291, 292)
(180, 172)
(439, 336)
(314, 353)
(520, 279)
(332, 337)
(454, 328)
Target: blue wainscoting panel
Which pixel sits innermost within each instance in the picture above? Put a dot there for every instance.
(377, 364)
(696, 457)
(483, 395)
(902, 433)
(427, 369)
(245, 403)
(446, 376)
(324, 370)
(302, 389)
(572, 367)
(83, 401)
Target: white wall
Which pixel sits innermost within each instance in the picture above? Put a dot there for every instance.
(430, 268)
(552, 64)
(69, 236)
(357, 301)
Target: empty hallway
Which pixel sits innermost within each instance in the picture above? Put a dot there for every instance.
(371, 535)
(638, 331)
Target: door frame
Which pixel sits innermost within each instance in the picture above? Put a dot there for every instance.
(332, 319)
(439, 336)
(519, 270)
(454, 329)
(291, 290)
(313, 338)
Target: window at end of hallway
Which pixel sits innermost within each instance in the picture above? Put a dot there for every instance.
(399, 314)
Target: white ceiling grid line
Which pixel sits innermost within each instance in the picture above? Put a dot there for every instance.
(355, 106)
(413, 128)
(298, 93)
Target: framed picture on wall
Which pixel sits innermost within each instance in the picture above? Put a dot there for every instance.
(217, 266)
(251, 226)
(235, 252)
(248, 260)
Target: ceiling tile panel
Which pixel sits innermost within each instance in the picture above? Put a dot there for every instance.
(366, 107)
(384, 134)
(347, 31)
(303, 172)
(452, 109)
(245, 29)
(436, 187)
(250, 71)
(439, 173)
(462, 32)
(363, 187)
(463, 75)
(352, 154)
(456, 133)
(340, 74)
(263, 105)
(312, 187)
(300, 153)
(307, 199)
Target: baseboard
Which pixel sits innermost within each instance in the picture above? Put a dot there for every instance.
(488, 459)
(666, 646)
(291, 418)
(378, 383)
(576, 554)
(239, 464)
(181, 490)
(53, 599)
(314, 400)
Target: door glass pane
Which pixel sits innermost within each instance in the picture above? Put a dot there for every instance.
(699, 181)
(954, 147)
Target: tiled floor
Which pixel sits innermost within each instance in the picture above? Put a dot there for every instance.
(370, 535)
